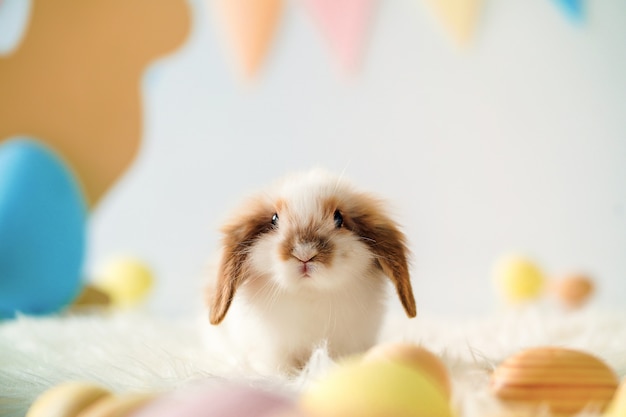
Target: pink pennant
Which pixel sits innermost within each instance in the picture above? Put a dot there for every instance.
(344, 22)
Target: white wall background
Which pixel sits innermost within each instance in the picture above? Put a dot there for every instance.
(516, 144)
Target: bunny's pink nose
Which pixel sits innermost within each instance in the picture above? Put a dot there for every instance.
(304, 252)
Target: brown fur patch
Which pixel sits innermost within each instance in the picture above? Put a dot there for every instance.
(364, 217)
(314, 234)
(239, 236)
(329, 206)
(321, 244)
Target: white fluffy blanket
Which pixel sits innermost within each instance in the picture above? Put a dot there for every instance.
(132, 352)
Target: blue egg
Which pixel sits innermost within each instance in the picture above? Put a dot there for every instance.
(42, 230)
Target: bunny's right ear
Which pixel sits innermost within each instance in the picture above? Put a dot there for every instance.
(239, 236)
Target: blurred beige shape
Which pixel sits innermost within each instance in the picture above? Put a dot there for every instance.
(75, 80)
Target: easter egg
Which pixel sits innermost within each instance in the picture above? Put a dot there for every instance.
(42, 229)
(294, 412)
(617, 408)
(567, 381)
(126, 280)
(573, 291)
(375, 389)
(416, 357)
(117, 406)
(518, 278)
(223, 401)
(66, 400)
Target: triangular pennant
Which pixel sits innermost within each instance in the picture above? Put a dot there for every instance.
(458, 16)
(249, 26)
(573, 8)
(344, 22)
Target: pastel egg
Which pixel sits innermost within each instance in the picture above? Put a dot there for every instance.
(223, 401)
(416, 357)
(66, 400)
(117, 406)
(566, 381)
(617, 408)
(126, 280)
(518, 278)
(375, 389)
(573, 290)
(293, 412)
(42, 224)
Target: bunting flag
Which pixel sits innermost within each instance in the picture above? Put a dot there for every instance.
(573, 8)
(344, 23)
(458, 16)
(249, 27)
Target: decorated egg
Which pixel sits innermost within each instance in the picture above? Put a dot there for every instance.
(125, 280)
(566, 381)
(617, 408)
(573, 290)
(42, 229)
(375, 389)
(518, 278)
(67, 400)
(117, 406)
(416, 357)
(223, 401)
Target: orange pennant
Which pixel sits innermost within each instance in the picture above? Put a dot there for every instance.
(249, 26)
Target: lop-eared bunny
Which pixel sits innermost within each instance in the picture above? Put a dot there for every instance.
(305, 263)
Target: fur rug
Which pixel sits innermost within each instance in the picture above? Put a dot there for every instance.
(132, 352)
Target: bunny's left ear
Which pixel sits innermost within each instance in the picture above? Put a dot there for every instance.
(388, 244)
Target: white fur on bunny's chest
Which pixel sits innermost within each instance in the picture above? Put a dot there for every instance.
(281, 330)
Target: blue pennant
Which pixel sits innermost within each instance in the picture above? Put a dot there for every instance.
(573, 8)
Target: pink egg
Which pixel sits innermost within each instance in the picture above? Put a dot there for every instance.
(223, 401)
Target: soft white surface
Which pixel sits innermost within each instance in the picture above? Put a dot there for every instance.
(515, 144)
(134, 352)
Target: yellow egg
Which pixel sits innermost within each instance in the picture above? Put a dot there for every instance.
(617, 407)
(125, 280)
(66, 400)
(117, 406)
(375, 389)
(416, 357)
(518, 278)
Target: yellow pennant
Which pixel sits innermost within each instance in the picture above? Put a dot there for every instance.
(249, 27)
(458, 16)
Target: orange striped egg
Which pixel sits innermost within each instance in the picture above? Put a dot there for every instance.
(566, 381)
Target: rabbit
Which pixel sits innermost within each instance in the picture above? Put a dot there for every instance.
(304, 264)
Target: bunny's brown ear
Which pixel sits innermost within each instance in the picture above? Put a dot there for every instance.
(388, 244)
(238, 237)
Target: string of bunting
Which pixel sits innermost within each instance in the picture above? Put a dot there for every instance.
(250, 26)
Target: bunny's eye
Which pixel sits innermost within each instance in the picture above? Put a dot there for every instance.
(338, 219)
(275, 219)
